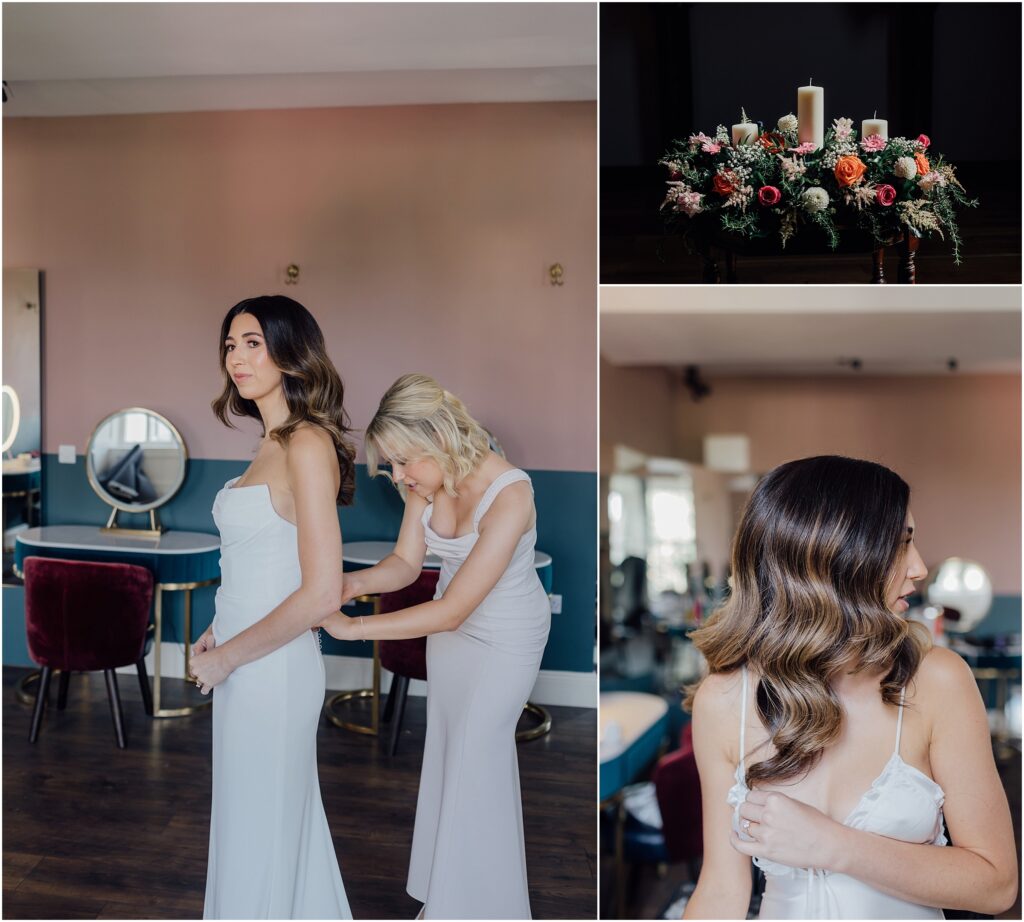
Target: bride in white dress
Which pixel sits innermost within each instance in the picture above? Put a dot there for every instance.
(271, 854)
(487, 627)
(831, 737)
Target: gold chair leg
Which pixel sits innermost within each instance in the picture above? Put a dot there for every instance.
(542, 728)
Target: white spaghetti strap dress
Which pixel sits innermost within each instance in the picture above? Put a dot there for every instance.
(902, 803)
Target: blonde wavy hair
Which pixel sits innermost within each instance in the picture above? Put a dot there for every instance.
(814, 555)
(417, 418)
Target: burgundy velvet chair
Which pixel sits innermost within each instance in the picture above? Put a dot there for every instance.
(406, 659)
(86, 617)
(677, 785)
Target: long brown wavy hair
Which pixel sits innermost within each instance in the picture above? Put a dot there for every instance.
(311, 384)
(814, 554)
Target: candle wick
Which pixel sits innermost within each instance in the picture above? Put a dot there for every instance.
(876, 114)
(810, 82)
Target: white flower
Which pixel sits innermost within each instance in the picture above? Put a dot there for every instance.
(843, 128)
(792, 167)
(930, 180)
(788, 123)
(905, 168)
(815, 199)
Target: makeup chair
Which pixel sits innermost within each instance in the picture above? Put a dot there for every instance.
(87, 617)
(405, 659)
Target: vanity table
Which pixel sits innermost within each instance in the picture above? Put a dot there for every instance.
(180, 561)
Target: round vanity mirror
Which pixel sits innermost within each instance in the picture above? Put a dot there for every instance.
(963, 586)
(135, 461)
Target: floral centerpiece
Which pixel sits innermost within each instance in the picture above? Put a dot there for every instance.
(885, 186)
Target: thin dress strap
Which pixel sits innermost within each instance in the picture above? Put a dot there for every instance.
(899, 720)
(743, 724)
(494, 488)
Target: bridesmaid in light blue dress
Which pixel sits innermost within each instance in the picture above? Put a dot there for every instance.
(486, 630)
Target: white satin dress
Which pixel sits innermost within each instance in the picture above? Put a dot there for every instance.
(468, 852)
(902, 803)
(271, 853)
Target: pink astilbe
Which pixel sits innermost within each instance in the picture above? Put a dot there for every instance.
(805, 148)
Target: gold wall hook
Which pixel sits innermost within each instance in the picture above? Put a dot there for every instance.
(293, 275)
(556, 272)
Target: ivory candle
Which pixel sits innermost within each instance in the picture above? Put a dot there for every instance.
(810, 114)
(874, 125)
(744, 132)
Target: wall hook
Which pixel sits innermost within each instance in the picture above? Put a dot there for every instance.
(556, 272)
(293, 275)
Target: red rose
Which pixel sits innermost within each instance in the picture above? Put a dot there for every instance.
(723, 184)
(769, 195)
(924, 140)
(886, 195)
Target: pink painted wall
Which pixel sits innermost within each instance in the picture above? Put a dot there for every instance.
(955, 439)
(423, 234)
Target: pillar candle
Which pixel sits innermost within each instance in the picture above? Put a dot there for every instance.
(810, 114)
(744, 133)
(874, 125)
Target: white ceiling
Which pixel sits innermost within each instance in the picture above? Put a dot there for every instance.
(810, 331)
(100, 58)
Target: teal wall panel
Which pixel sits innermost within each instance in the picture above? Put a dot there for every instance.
(566, 529)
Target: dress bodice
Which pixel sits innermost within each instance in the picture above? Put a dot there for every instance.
(502, 618)
(259, 558)
(901, 803)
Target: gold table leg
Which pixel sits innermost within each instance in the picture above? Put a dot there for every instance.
(372, 693)
(158, 592)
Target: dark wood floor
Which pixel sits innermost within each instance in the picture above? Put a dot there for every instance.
(635, 248)
(90, 831)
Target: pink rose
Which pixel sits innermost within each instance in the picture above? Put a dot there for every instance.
(886, 195)
(924, 140)
(769, 195)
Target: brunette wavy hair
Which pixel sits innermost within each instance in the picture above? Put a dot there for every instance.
(419, 418)
(812, 559)
(312, 386)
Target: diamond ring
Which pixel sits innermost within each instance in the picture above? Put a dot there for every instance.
(746, 825)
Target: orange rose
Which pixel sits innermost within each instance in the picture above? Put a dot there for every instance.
(923, 166)
(849, 171)
(723, 184)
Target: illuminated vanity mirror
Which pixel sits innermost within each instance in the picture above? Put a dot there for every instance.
(136, 462)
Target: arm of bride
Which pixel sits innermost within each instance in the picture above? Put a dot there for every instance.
(500, 530)
(978, 872)
(724, 885)
(402, 566)
(312, 472)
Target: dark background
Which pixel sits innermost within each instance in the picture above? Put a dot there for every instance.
(950, 70)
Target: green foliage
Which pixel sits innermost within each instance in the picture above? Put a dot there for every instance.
(931, 212)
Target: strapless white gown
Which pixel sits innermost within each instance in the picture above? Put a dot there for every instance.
(271, 853)
(902, 803)
(468, 853)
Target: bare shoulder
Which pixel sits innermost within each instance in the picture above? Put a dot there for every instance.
(514, 504)
(718, 695)
(942, 681)
(310, 449)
